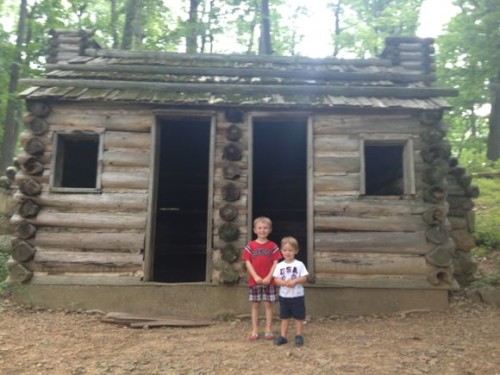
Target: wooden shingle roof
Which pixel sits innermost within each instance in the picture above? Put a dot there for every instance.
(401, 78)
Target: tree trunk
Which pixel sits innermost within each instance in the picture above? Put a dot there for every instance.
(132, 10)
(114, 24)
(11, 127)
(337, 11)
(493, 152)
(192, 29)
(265, 29)
(206, 32)
(251, 32)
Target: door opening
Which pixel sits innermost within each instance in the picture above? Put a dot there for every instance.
(279, 188)
(180, 239)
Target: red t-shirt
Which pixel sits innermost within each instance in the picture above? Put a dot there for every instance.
(262, 257)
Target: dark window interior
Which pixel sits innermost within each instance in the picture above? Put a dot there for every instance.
(280, 178)
(77, 161)
(182, 201)
(384, 169)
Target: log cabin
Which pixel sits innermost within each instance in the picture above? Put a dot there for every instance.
(141, 173)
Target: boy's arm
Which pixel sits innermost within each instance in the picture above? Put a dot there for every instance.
(250, 269)
(279, 281)
(269, 277)
(298, 280)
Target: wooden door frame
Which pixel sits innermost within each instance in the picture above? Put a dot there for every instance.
(149, 246)
(309, 175)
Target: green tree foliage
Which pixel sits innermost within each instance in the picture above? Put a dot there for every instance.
(469, 55)
(488, 213)
(468, 60)
(6, 58)
(361, 26)
(216, 26)
(13, 105)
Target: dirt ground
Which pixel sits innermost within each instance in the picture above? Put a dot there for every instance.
(463, 340)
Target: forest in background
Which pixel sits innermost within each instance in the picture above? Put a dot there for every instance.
(468, 52)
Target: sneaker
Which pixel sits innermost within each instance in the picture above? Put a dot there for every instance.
(280, 340)
(299, 340)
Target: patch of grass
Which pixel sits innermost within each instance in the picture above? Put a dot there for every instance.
(488, 214)
(4, 255)
(487, 233)
(5, 231)
(490, 279)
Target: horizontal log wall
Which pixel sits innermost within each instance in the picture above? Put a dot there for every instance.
(57, 262)
(371, 264)
(363, 237)
(93, 233)
(377, 242)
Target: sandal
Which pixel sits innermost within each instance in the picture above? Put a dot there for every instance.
(253, 337)
(269, 336)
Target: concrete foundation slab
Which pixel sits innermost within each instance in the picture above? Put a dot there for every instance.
(210, 301)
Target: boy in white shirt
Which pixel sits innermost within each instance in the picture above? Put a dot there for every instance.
(289, 275)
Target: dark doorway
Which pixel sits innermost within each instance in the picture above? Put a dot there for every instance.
(280, 178)
(180, 250)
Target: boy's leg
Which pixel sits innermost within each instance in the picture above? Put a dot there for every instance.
(284, 327)
(299, 315)
(255, 317)
(268, 306)
(299, 324)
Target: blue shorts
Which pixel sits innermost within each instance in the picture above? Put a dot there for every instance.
(259, 293)
(293, 308)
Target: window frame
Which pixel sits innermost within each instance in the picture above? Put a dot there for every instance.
(408, 159)
(57, 160)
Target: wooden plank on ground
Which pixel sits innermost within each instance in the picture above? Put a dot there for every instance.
(171, 322)
(145, 321)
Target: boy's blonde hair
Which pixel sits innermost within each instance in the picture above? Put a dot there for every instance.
(263, 219)
(292, 242)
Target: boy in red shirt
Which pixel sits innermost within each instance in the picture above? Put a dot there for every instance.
(261, 257)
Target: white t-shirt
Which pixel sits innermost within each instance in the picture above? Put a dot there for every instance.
(291, 271)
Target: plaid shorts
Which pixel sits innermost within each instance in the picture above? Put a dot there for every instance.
(258, 293)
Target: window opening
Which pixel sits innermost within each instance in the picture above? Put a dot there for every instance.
(77, 161)
(384, 169)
